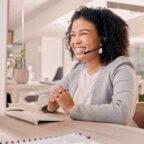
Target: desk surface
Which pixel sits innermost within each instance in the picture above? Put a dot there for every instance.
(101, 132)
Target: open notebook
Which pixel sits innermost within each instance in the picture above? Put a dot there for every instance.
(71, 138)
(31, 117)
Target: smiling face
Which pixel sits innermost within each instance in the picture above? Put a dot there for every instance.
(84, 38)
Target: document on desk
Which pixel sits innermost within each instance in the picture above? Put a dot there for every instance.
(32, 117)
(71, 138)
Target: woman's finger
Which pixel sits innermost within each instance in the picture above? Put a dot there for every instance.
(60, 87)
(52, 97)
(58, 90)
(55, 93)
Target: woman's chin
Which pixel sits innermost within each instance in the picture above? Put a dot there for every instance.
(79, 57)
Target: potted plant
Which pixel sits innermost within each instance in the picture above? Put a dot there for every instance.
(21, 74)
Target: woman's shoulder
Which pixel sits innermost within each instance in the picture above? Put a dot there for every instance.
(122, 66)
(121, 61)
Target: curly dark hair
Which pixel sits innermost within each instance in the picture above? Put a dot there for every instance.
(111, 29)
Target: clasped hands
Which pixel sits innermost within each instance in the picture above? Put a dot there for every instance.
(60, 97)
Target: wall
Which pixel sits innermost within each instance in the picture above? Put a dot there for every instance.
(38, 23)
(136, 26)
(33, 56)
(51, 56)
(3, 41)
(136, 32)
(44, 54)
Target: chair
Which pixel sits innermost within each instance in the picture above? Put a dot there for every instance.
(8, 99)
(59, 74)
(139, 115)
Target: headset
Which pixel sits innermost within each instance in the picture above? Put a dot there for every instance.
(98, 48)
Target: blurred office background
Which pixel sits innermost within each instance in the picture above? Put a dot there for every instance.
(45, 24)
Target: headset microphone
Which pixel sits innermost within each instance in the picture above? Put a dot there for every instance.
(100, 47)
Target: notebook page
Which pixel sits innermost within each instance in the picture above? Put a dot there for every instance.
(65, 139)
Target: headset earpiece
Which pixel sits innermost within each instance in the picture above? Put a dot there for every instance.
(100, 51)
(103, 43)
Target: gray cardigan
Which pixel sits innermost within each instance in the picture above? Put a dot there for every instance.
(114, 94)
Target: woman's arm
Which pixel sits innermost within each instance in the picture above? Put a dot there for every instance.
(122, 106)
(43, 99)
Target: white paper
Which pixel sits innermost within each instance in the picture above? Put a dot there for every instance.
(65, 139)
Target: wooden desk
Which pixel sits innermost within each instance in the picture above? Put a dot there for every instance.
(101, 132)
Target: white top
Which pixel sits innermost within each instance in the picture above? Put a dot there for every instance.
(86, 82)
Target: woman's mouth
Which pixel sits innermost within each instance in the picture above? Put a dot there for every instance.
(79, 50)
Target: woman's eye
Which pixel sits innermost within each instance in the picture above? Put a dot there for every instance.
(72, 35)
(84, 34)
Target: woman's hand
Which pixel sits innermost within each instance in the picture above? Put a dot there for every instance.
(52, 106)
(63, 98)
(52, 103)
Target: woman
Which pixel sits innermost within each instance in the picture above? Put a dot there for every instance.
(101, 86)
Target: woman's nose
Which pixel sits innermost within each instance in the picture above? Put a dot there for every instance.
(77, 40)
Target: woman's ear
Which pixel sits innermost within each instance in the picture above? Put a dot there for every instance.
(103, 40)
